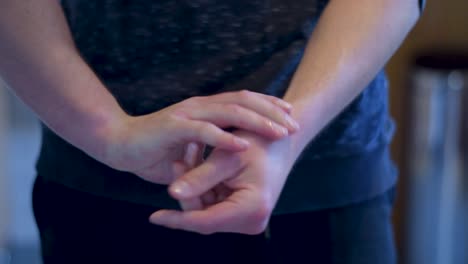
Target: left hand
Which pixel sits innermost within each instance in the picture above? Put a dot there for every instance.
(247, 183)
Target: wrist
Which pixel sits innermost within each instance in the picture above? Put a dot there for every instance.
(308, 117)
(105, 133)
(282, 151)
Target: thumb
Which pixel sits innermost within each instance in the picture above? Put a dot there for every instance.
(219, 167)
(187, 204)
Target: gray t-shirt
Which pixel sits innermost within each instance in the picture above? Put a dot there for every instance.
(151, 54)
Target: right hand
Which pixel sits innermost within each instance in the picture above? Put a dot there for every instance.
(149, 145)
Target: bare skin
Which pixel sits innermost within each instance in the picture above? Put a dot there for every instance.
(351, 43)
(42, 66)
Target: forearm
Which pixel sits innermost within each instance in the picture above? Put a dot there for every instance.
(351, 43)
(40, 63)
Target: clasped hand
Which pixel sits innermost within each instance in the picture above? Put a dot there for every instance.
(236, 188)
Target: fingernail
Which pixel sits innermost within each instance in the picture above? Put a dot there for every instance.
(292, 123)
(241, 142)
(281, 130)
(286, 104)
(180, 188)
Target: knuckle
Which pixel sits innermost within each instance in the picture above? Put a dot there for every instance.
(173, 122)
(243, 121)
(235, 109)
(245, 94)
(267, 123)
(201, 128)
(277, 101)
(273, 107)
(208, 127)
(204, 131)
(196, 131)
(237, 160)
(195, 100)
(181, 111)
(272, 98)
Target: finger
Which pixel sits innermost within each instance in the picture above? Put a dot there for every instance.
(221, 217)
(233, 115)
(194, 159)
(191, 204)
(264, 105)
(217, 194)
(196, 203)
(227, 97)
(205, 177)
(199, 152)
(212, 135)
(280, 102)
(192, 154)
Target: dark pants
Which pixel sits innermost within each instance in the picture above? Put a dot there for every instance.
(77, 227)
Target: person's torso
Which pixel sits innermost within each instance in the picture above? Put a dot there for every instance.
(154, 53)
(151, 54)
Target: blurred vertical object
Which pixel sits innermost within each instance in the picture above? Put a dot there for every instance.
(4, 213)
(435, 160)
(443, 26)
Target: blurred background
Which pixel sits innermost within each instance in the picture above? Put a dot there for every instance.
(429, 84)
